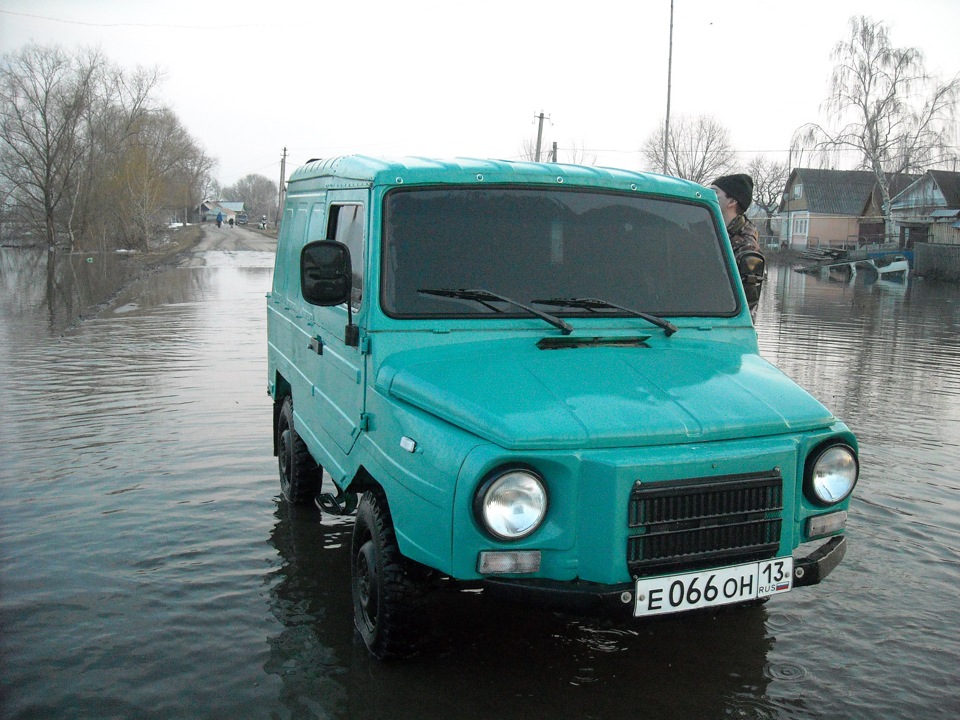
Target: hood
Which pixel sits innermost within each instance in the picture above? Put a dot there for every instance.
(521, 397)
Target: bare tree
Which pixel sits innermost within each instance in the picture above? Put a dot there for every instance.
(575, 154)
(140, 192)
(212, 189)
(699, 149)
(257, 192)
(769, 180)
(117, 114)
(884, 106)
(44, 97)
(196, 173)
(156, 173)
(528, 149)
(85, 151)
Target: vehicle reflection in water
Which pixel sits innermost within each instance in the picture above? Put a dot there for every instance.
(488, 658)
(310, 598)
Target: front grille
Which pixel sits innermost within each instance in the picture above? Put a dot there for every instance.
(694, 524)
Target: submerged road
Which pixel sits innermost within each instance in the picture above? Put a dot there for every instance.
(151, 570)
(227, 238)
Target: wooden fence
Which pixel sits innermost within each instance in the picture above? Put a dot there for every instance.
(940, 262)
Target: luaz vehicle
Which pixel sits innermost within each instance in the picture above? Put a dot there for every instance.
(543, 378)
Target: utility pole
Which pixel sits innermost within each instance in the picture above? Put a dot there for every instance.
(554, 151)
(666, 124)
(539, 136)
(283, 187)
(788, 189)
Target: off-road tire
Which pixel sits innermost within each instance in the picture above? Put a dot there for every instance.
(389, 591)
(300, 475)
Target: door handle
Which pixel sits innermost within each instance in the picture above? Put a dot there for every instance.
(316, 344)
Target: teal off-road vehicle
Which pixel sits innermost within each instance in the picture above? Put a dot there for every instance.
(544, 379)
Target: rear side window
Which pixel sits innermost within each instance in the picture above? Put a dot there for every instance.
(286, 276)
(315, 230)
(347, 225)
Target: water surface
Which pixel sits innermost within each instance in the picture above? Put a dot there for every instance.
(149, 569)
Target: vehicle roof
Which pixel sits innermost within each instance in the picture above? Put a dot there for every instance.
(361, 170)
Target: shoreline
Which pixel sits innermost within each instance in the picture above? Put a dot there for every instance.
(168, 255)
(82, 285)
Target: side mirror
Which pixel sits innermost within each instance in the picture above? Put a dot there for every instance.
(325, 273)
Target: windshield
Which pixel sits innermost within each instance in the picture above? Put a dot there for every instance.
(645, 254)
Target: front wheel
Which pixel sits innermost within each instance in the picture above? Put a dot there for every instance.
(300, 475)
(388, 589)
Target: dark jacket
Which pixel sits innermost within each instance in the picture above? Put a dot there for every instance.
(750, 261)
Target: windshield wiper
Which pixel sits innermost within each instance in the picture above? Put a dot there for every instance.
(592, 304)
(485, 297)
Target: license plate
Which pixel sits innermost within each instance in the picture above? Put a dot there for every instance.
(676, 593)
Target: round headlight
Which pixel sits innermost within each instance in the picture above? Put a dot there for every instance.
(512, 503)
(831, 474)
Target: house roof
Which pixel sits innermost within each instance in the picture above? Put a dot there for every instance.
(895, 185)
(899, 183)
(949, 184)
(835, 192)
(230, 206)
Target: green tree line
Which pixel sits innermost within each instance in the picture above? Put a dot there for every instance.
(89, 158)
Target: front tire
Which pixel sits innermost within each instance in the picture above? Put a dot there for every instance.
(388, 589)
(300, 475)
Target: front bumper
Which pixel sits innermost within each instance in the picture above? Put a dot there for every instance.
(817, 565)
(580, 596)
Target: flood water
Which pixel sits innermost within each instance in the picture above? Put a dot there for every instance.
(148, 568)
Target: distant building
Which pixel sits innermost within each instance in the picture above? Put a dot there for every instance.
(822, 208)
(210, 208)
(872, 224)
(834, 208)
(928, 210)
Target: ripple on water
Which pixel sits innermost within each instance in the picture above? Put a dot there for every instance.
(790, 672)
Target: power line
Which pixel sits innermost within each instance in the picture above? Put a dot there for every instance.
(120, 25)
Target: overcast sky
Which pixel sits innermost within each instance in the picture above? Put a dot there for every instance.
(447, 78)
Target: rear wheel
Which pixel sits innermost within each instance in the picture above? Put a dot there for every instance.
(300, 475)
(388, 589)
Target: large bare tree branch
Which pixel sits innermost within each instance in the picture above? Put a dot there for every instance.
(884, 106)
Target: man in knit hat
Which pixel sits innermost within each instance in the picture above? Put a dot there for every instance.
(735, 194)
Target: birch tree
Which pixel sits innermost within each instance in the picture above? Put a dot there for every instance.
(885, 106)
